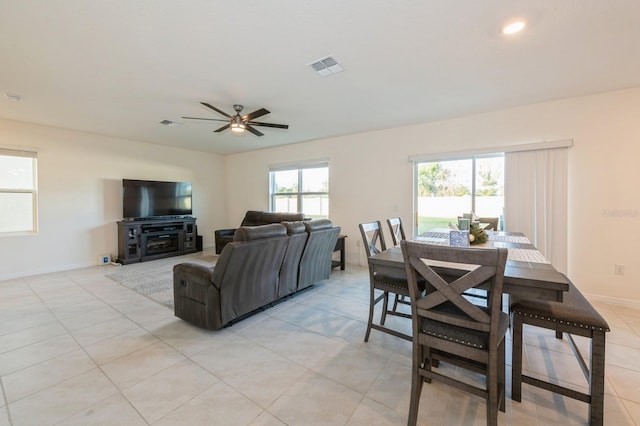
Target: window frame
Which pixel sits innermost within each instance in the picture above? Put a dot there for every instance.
(33, 155)
(417, 162)
(300, 194)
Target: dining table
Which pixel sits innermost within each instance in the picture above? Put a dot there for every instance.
(528, 274)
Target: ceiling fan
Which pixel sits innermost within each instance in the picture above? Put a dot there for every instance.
(238, 123)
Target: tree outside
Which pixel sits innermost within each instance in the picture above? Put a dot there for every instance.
(445, 190)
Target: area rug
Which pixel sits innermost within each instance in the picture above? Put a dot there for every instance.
(154, 279)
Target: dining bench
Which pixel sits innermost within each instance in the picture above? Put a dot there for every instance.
(574, 316)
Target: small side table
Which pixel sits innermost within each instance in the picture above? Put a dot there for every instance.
(339, 247)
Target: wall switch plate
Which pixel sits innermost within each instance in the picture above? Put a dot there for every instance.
(104, 259)
(618, 269)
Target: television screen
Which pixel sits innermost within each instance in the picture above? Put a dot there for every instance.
(146, 198)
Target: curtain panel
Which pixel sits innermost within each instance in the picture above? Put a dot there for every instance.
(536, 200)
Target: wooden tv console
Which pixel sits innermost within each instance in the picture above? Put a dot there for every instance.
(150, 239)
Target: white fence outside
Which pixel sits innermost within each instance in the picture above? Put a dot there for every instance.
(452, 207)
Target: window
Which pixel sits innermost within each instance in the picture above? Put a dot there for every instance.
(300, 189)
(18, 196)
(448, 189)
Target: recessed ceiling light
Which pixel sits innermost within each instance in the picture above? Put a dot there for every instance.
(513, 27)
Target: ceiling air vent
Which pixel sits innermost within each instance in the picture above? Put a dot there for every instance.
(326, 66)
(11, 97)
(169, 123)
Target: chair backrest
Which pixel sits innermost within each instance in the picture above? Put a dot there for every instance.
(465, 268)
(397, 230)
(491, 223)
(372, 237)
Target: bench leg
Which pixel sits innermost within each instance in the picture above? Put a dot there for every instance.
(596, 380)
(516, 362)
(502, 390)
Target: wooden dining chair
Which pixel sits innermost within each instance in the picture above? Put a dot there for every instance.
(448, 328)
(374, 243)
(396, 229)
(491, 223)
(397, 235)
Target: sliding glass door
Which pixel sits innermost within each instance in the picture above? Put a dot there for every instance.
(449, 188)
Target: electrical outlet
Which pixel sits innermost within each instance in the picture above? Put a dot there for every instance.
(618, 269)
(104, 259)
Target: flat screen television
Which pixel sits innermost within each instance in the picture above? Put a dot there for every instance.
(149, 198)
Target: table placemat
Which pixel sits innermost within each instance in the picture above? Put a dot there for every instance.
(509, 239)
(433, 240)
(526, 255)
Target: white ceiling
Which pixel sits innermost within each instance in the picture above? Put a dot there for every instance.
(119, 67)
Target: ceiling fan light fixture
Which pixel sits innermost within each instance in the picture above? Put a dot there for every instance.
(239, 124)
(237, 127)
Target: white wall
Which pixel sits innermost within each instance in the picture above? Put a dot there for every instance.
(80, 199)
(371, 177)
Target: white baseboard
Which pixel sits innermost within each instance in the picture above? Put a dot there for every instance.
(635, 304)
(48, 270)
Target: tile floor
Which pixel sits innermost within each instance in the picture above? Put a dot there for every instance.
(76, 348)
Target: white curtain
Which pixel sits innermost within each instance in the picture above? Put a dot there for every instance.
(536, 200)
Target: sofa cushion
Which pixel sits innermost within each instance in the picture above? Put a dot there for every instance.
(315, 264)
(294, 227)
(575, 310)
(250, 233)
(252, 218)
(255, 217)
(275, 217)
(290, 266)
(318, 224)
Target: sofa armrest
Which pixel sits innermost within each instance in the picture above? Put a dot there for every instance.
(193, 272)
(195, 298)
(224, 232)
(222, 238)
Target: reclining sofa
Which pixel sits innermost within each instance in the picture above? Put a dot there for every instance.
(262, 265)
(253, 218)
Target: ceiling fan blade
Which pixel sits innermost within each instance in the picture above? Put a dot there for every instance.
(277, 126)
(215, 109)
(254, 131)
(223, 128)
(207, 119)
(255, 114)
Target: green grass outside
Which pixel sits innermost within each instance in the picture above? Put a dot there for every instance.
(426, 223)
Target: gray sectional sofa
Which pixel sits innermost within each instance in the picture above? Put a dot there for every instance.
(262, 265)
(253, 218)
